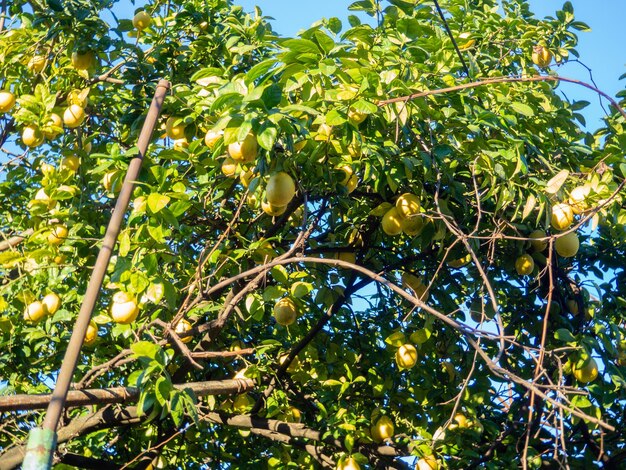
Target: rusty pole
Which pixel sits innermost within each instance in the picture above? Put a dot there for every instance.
(42, 441)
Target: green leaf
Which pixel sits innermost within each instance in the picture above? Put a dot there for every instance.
(381, 209)
(420, 336)
(300, 289)
(564, 335)
(397, 339)
(522, 108)
(259, 70)
(300, 46)
(553, 186)
(157, 201)
(325, 42)
(162, 390)
(280, 274)
(334, 24)
(144, 349)
(272, 95)
(267, 136)
(335, 118)
(300, 109)
(331, 383)
(363, 106)
(531, 202)
(177, 409)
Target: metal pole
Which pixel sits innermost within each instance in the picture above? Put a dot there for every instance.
(42, 441)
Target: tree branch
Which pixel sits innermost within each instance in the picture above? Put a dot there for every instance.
(16, 240)
(122, 394)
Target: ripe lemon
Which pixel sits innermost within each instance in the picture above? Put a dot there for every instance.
(211, 138)
(92, 334)
(174, 131)
(586, 370)
(383, 429)
(412, 226)
(459, 421)
(356, 117)
(229, 167)
(71, 163)
(112, 181)
(524, 264)
(73, 116)
(406, 356)
(562, 216)
(347, 173)
(538, 245)
(567, 245)
(36, 63)
(7, 101)
(412, 281)
(578, 198)
(324, 131)
(347, 256)
(245, 151)
(245, 177)
(349, 180)
(53, 127)
(541, 56)
(272, 210)
(58, 235)
(392, 222)
(183, 326)
(35, 311)
(349, 464)
(47, 169)
(124, 308)
(51, 302)
(280, 189)
(253, 200)
(292, 415)
(83, 61)
(181, 144)
(415, 284)
(32, 136)
(44, 199)
(427, 463)
(285, 311)
(408, 205)
(141, 20)
(242, 403)
(352, 183)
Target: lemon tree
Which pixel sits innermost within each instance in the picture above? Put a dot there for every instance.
(389, 239)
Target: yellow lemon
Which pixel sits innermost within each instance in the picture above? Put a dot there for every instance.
(524, 264)
(7, 101)
(392, 222)
(285, 311)
(567, 245)
(280, 189)
(141, 20)
(406, 356)
(562, 216)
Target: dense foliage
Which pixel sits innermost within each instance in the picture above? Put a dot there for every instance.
(496, 370)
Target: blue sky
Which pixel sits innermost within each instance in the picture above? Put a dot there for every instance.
(601, 49)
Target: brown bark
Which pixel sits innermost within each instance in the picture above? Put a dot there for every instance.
(16, 240)
(104, 418)
(121, 394)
